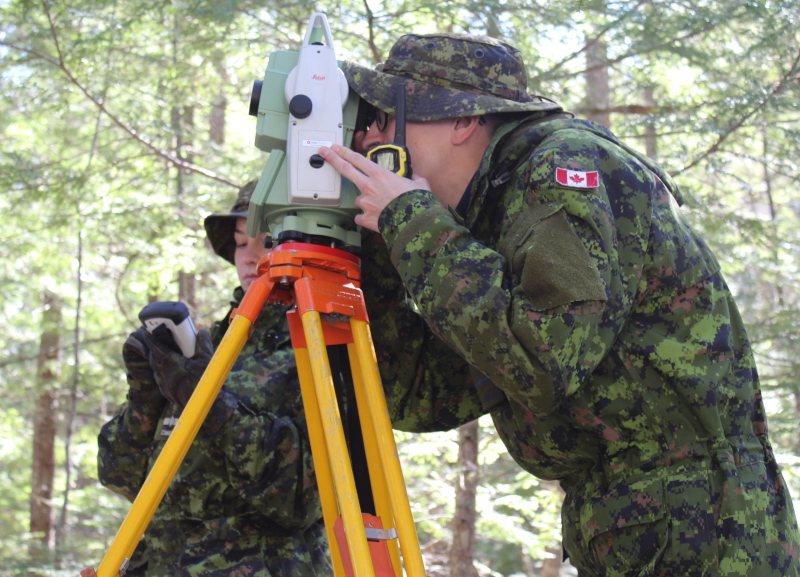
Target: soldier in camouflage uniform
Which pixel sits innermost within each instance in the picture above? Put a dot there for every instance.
(562, 291)
(244, 502)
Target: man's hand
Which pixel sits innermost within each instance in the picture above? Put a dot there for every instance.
(135, 354)
(378, 185)
(178, 376)
(144, 397)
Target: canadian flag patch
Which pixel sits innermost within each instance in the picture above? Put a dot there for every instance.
(577, 178)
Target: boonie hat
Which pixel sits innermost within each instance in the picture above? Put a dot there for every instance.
(448, 76)
(220, 227)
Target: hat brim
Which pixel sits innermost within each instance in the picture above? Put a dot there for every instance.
(426, 101)
(219, 231)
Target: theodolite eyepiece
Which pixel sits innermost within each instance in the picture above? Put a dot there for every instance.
(255, 97)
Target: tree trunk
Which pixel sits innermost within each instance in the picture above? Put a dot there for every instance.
(217, 120)
(797, 417)
(187, 290)
(44, 426)
(598, 92)
(650, 141)
(219, 106)
(551, 566)
(462, 552)
(183, 126)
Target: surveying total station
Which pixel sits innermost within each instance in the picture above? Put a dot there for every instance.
(307, 211)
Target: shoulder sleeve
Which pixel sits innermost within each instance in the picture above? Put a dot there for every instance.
(428, 385)
(123, 454)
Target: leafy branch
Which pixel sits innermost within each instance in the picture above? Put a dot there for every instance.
(61, 64)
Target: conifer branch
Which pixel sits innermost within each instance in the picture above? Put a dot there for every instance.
(790, 76)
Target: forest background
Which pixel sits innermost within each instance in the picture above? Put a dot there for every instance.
(124, 123)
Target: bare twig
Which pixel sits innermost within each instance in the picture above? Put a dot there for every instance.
(376, 56)
(22, 359)
(790, 76)
(597, 37)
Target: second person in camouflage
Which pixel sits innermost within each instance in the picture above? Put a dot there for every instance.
(561, 290)
(244, 501)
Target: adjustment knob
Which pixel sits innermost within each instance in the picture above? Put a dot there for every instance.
(300, 106)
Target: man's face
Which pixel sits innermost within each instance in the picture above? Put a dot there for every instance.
(427, 143)
(247, 254)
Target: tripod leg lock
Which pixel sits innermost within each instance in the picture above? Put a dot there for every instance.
(374, 534)
(377, 538)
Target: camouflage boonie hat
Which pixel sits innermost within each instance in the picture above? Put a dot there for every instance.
(449, 76)
(220, 227)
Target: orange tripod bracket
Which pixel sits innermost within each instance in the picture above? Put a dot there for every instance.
(323, 283)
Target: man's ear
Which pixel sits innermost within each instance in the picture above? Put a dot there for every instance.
(464, 128)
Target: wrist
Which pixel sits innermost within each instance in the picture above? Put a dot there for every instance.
(146, 403)
(223, 408)
(140, 425)
(402, 210)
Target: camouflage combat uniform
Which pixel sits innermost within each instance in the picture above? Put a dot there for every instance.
(574, 303)
(245, 502)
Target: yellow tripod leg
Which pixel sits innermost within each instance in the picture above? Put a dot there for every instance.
(337, 448)
(175, 449)
(387, 449)
(319, 452)
(377, 474)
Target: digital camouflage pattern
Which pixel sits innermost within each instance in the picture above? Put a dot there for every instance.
(145, 401)
(448, 75)
(244, 502)
(595, 324)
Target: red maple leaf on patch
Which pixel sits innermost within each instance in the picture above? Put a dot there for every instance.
(576, 178)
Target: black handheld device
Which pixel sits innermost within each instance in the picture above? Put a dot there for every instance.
(394, 155)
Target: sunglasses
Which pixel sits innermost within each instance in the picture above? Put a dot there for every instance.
(379, 117)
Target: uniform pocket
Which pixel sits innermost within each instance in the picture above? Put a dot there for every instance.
(553, 265)
(625, 529)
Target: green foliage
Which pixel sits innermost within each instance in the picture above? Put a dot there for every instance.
(16, 476)
(518, 514)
